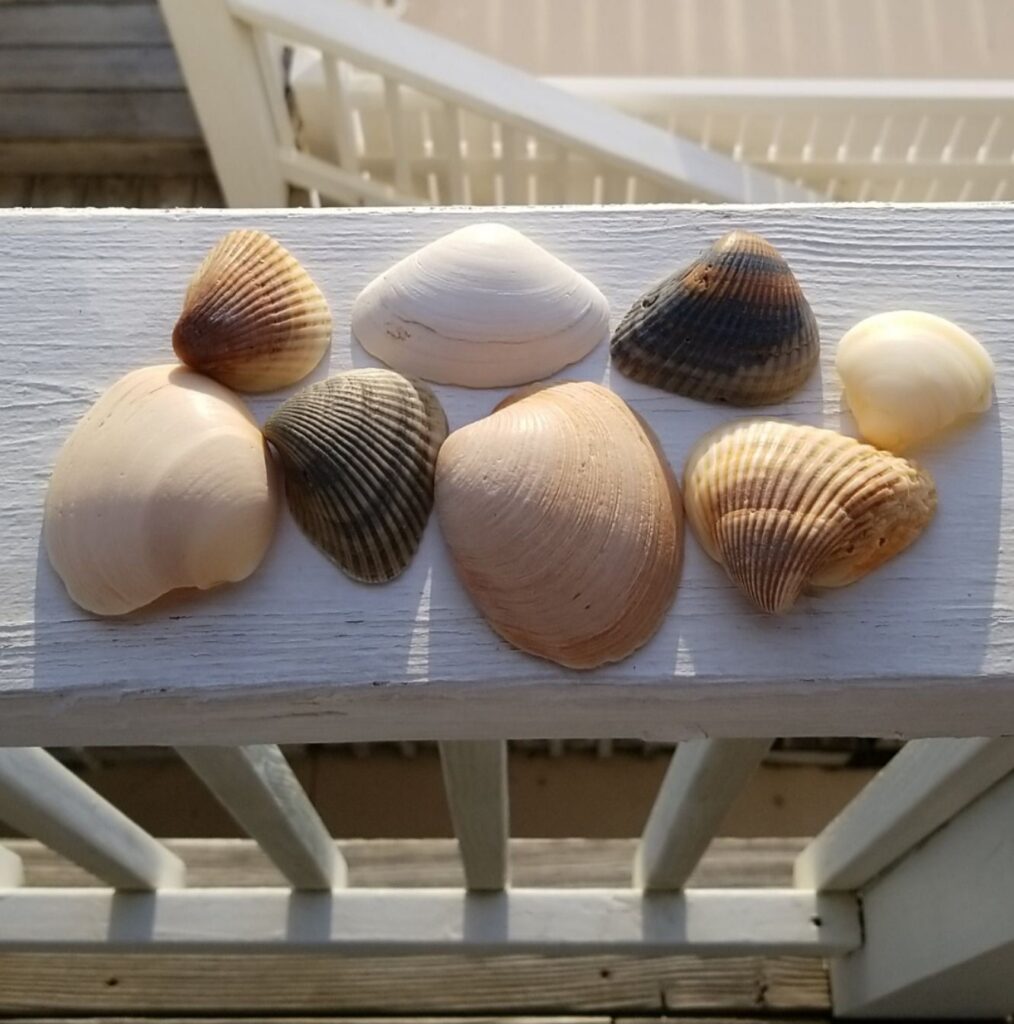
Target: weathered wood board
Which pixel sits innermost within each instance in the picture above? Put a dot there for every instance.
(299, 653)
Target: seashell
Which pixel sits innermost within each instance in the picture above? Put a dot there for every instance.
(358, 451)
(483, 307)
(732, 326)
(164, 483)
(784, 507)
(909, 375)
(252, 317)
(564, 523)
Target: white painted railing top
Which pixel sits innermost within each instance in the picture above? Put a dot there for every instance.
(299, 652)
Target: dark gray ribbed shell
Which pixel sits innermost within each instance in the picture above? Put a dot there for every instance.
(732, 326)
(358, 452)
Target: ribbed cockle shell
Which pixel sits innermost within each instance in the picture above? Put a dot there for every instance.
(909, 375)
(252, 317)
(482, 307)
(564, 523)
(358, 451)
(784, 507)
(732, 326)
(166, 482)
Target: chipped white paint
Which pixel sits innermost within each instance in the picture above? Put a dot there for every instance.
(925, 646)
(379, 921)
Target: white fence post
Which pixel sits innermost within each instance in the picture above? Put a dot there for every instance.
(258, 788)
(703, 779)
(939, 924)
(219, 63)
(924, 786)
(475, 778)
(45, 800)
(11, 870)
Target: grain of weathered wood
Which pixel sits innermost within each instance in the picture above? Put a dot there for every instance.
(98, 115)
(298, 653)
(562, 863)
(138, 983)
(112, 68)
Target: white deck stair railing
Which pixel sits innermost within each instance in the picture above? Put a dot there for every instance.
(909, 892)
(230, 53)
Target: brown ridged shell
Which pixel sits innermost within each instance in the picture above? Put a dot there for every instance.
(784, 507)
(732, 326)
(358, 452)
(252, 317)
(564, 523)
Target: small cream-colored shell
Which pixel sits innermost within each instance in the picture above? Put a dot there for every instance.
(165, 483)
(784, 507)
(252, 317)
(359, 451)
(564, 523)
(909, 375)
(482, 307)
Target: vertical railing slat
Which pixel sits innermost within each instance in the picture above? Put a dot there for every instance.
(271, 76)
(475, 778)
(11, 869)
(341, 114)
(396, 126)
(453, 153)
(46, 801)
(258, 788)
(925, 785)
(703, 779)
(515, 166)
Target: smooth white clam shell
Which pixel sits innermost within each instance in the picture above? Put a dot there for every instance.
(165, 482)
(482, 307)
(908, 375)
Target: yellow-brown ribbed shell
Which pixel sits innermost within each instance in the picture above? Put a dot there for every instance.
(358, 452)
(784, 507)
(564, 523)
(252, 317)
(732, 326)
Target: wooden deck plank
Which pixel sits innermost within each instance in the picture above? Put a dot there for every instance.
(110, 68)
(144, 984)
(27, 23)
(153, 158)
(298, 654)
(258, 984)
(98, 115)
